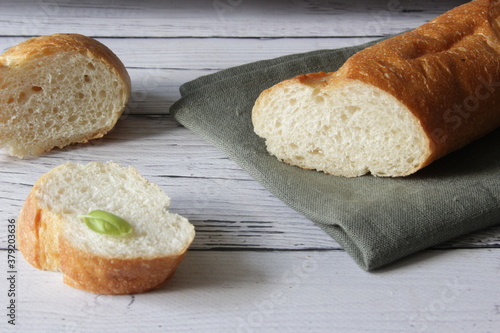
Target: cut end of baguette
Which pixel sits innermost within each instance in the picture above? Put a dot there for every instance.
(348, 129)
(57, 90)
(52, 236)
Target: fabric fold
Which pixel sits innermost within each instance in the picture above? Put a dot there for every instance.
(376, 220)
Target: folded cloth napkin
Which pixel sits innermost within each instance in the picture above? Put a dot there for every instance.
(376, 220)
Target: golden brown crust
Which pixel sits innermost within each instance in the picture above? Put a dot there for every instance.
(114, 276)
(75, 43)
(314, 78)
(47, 45)
(43, 245)
(37, 235)
(447, 72)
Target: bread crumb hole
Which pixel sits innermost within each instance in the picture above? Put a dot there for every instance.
(30, 111)
(36, 88)
(293, 101)
(48, 124)
(293, 146)
(102, 93)
(91, 66)
(22, 97)
(55, 109)
(319, 99)
(86, 78)
(72, 118)
(81, 95)
(10, 100)
(353, 109)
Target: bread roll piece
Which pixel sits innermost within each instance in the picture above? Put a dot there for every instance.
(57, 90)
(52, 236)
(395, 107)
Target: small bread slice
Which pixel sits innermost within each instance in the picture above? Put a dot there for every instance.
(57, 90)
(394, 107)
(52, 236)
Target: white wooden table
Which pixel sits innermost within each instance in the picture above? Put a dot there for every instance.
(255, 265)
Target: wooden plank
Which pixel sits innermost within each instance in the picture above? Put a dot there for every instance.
(218, 18)
(155, 90)
(228, 208)
(253, 266)
(246, 291)
(206, 53)
(158, 67)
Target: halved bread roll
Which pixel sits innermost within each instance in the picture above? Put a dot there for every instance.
(57, 90)
(52, 235)
(395, 107)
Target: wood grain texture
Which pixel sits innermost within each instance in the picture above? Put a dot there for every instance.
(158, 67)
(243, 291)
(256, 265)
(219, 18)
(228, 208)
(206, 53)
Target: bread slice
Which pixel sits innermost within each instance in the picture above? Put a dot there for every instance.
(52, 236)
(395, 107)
(57, 90)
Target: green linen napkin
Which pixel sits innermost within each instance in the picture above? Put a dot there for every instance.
(376, 220)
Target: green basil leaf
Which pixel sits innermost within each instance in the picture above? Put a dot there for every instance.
(106, 223)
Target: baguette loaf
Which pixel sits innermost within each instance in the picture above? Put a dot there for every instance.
(57, 90)
(394, 107)
(52, 236)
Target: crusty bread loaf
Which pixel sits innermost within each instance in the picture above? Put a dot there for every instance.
(395, 107)
(59, 89)
(52, 236)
